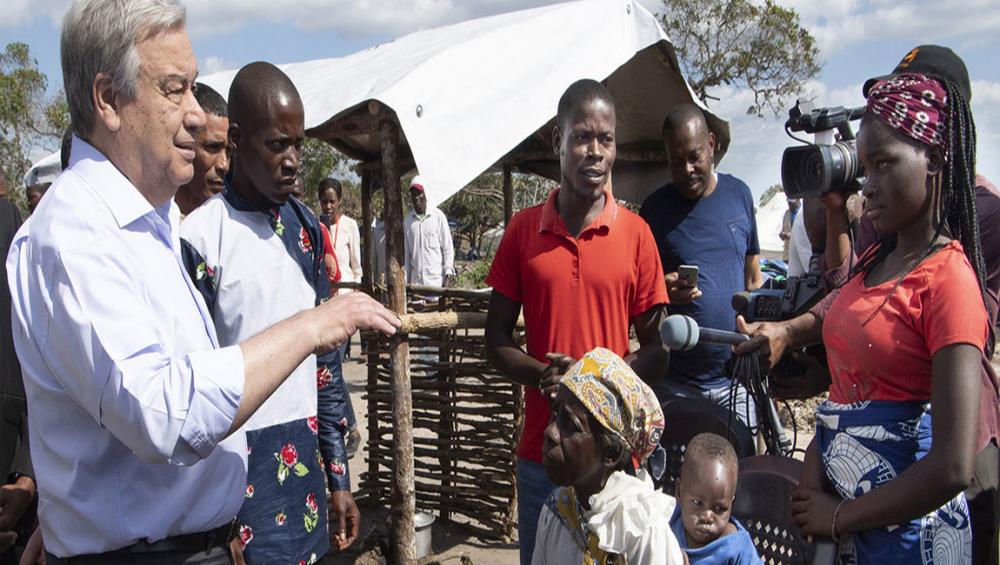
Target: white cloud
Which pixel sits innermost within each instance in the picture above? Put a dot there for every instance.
(379, 17)
(22, 12)
(213, 64)
(837, 24)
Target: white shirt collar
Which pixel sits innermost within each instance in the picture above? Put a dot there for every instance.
(117, 192)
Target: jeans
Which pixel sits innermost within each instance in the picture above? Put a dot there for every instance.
(533, 488)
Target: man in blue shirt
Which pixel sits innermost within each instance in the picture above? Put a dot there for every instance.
(704, 219)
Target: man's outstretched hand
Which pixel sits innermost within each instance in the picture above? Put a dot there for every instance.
(342, 316)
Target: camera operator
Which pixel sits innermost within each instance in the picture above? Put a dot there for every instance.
(898, 337)
(944, 64)
(838, 256)
(686, 218)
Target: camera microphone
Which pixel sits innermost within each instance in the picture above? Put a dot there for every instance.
(682, 333)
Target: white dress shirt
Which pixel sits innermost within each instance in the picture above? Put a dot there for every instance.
(346, 239)
(128, 393)
(430, 253)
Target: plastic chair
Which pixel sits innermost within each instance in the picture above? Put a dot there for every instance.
(685, 418)
(764, 507)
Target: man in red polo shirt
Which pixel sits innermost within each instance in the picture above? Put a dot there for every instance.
(584, 269)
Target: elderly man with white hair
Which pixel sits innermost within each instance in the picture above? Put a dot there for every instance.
(133, 408)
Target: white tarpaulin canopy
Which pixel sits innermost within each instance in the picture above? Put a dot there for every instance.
(45, 170)
(770, 217)
(479, 93)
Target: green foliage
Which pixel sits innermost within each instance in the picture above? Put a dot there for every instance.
(531, 190)
(319, 161)
(742, 43)
(477, 208)
(474, 275)
(27, 120)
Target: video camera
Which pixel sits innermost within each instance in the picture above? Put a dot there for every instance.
(825, 164)
(800, 373)
(775, 304)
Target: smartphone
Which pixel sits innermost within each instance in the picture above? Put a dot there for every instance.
(688, 274)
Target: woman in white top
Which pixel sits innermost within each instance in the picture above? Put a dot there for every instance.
(344, 232)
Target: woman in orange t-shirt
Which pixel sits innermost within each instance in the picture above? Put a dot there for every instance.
(905, 332)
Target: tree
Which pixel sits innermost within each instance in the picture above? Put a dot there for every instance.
(318, 161)
(530, 190)
(477, 208)
(740, 43)
(28, 121)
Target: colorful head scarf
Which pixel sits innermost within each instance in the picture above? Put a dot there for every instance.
(912, 104)
(615, 396)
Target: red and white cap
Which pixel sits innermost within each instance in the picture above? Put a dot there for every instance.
(417, 183)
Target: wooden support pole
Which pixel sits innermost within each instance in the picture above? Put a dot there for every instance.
(508, 195)
(367, 215)
(402, 498)
(370, 344)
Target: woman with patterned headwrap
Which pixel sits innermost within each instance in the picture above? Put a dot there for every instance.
(603, 435)
(905, 333)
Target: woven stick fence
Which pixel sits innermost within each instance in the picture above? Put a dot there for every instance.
(466, 418)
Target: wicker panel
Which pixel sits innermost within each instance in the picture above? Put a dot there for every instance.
(466, 423)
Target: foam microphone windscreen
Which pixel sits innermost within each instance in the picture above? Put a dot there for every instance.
(741, 302)
(679, 332)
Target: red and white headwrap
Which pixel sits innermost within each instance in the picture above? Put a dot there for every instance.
(914, 105)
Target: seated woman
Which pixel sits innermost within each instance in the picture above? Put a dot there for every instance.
(906, 332)
(605, 424)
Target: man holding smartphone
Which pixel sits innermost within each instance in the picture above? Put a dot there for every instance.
(706, 233)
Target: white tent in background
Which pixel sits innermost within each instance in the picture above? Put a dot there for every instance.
(472, 95)
(769, 217)
(45, 170)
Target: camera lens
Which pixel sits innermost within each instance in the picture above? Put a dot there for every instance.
(805, 171)
(810, 171)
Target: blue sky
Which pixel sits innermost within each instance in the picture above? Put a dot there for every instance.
(857, 39)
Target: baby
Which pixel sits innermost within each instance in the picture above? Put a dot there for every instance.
(706, 490)
(605, 424)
